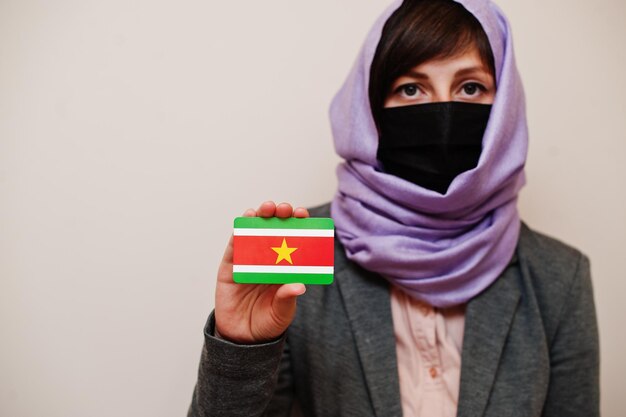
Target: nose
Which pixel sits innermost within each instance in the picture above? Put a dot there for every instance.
(441, 95)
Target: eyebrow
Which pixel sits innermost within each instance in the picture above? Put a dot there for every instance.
(470, 70)
(415, 74)
(459, 73)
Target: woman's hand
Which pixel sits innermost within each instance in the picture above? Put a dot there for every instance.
(255, 313)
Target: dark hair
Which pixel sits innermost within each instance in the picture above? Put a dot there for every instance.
(418, 31)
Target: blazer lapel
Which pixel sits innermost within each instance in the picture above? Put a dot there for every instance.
(366, 299)
(488, 319)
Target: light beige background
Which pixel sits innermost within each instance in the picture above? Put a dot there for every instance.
(132, 132)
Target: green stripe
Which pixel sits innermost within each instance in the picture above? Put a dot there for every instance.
(289, 223)
(269, 278)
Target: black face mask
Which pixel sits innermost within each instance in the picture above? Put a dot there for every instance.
(430, 144)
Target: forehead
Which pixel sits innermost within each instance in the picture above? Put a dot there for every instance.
(469, 59)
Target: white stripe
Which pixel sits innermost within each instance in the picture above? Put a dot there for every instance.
(284, 269)
(286, 232)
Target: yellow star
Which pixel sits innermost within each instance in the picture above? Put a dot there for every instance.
(284, 252)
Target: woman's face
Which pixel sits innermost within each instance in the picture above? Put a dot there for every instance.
(461, 78)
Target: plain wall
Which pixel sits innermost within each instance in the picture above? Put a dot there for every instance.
(132, 132)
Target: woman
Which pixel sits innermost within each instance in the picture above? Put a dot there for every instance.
(444, 303)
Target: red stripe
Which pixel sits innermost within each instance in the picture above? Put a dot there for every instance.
(257, 250)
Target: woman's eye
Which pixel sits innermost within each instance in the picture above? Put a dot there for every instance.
(472, 88)
(408, 90)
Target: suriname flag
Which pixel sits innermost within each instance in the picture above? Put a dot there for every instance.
(280, 251)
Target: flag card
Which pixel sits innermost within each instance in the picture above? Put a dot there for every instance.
(281, 251)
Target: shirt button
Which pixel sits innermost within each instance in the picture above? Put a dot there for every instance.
(433, 372)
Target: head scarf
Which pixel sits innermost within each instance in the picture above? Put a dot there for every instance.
(440, 249)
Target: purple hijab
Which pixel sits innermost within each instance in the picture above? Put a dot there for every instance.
(441, 249)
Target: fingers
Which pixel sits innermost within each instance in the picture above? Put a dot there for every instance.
(266, 209)
(290, 290)
(301, 212)
(284, 303)
(282, 210)
(249, 213)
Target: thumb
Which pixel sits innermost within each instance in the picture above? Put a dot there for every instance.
(284, 303)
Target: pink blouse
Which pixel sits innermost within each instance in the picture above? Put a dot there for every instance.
(428, 346)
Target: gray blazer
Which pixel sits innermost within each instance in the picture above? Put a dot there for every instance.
(530, 347)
